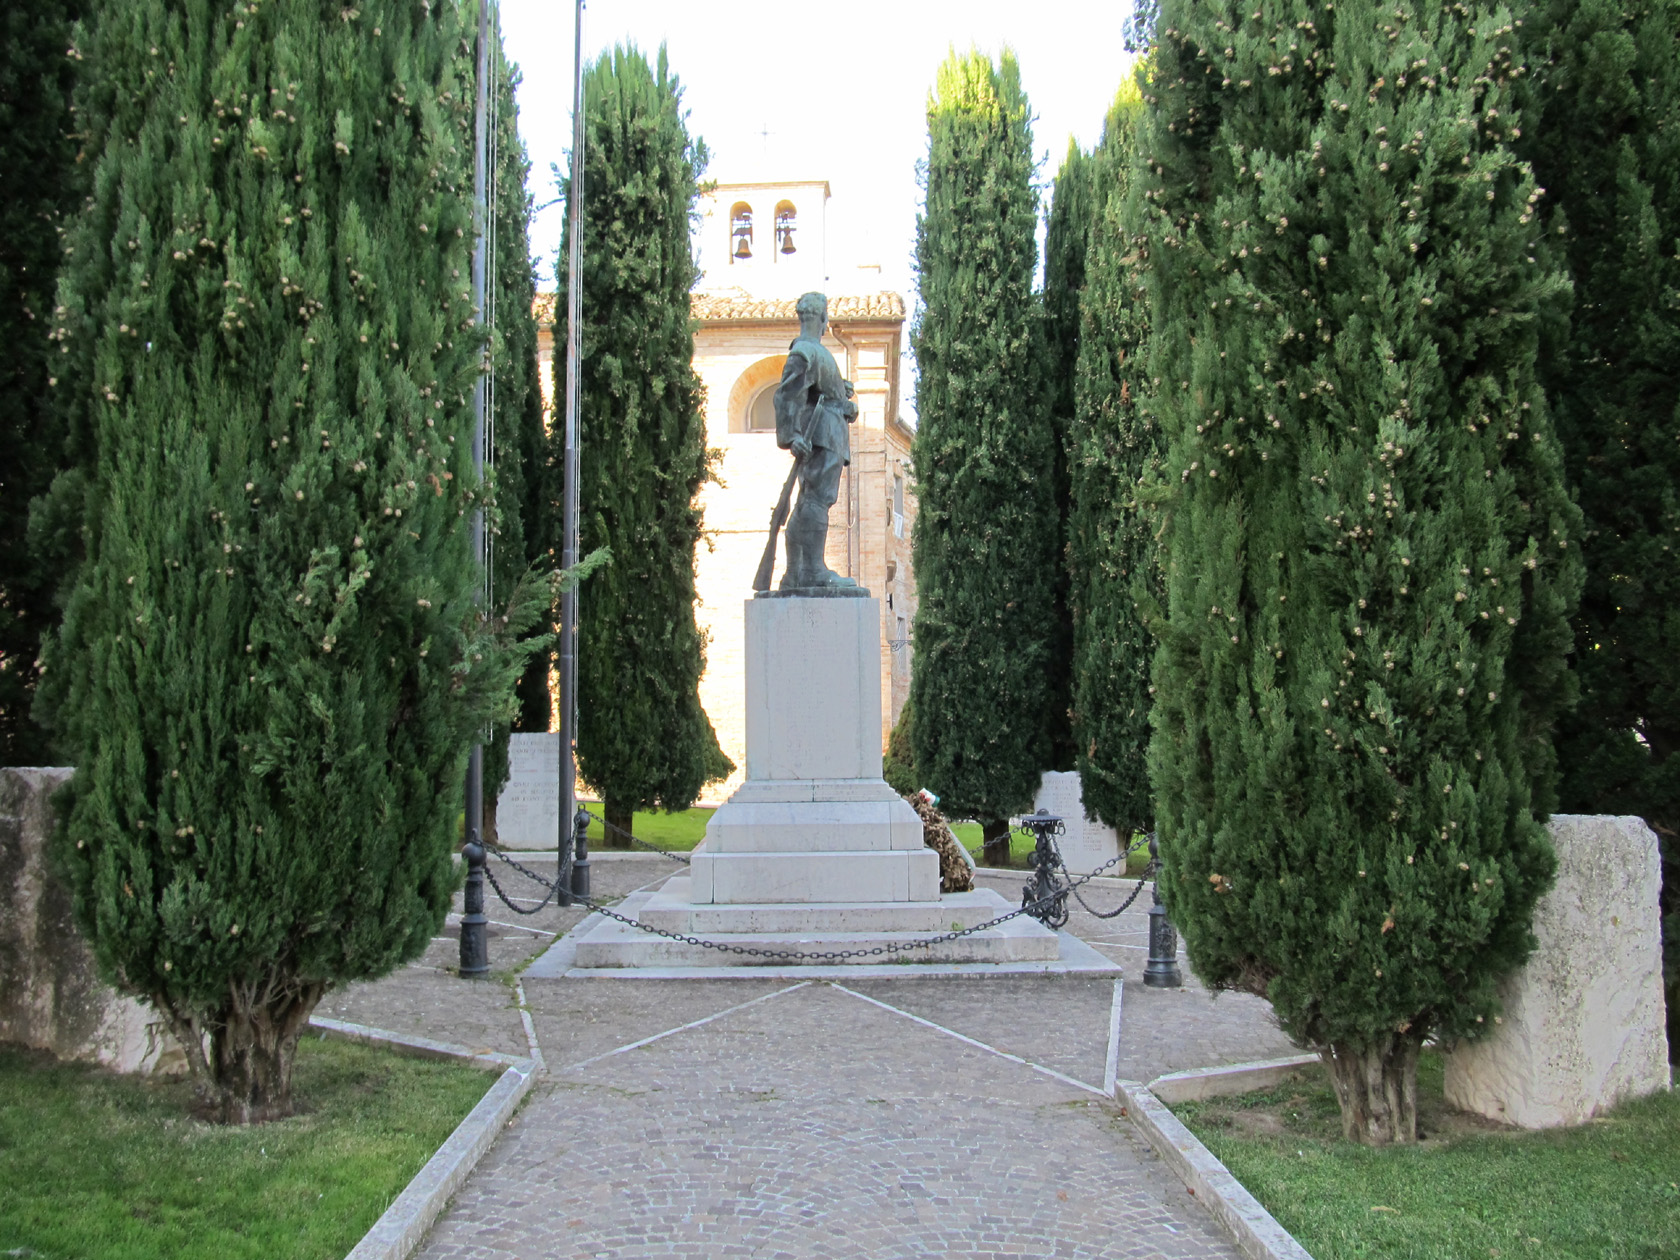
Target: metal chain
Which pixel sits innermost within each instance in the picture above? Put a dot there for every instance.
(891, 947)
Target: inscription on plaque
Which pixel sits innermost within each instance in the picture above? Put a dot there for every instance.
(1088, 843)
(528, 810)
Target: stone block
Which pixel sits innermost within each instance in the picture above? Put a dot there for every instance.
(1582, 1027)
(813, 682)
(51, 997)
(1087, 842)
(815, 877)
(813, 826)
(528, 809)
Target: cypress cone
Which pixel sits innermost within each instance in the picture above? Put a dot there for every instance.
(1369, 556)
(271, 664)
(988, 524)
(643, 739)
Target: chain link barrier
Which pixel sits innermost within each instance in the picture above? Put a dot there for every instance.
(636, 840)
(1039, 907)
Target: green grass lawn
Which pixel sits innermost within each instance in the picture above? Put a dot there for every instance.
(1606, 1190)
(678, 832)
(103, 1167)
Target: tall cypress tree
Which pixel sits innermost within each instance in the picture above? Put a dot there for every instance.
(38, 189)
(1114, 451)
(1603, 135)
(519, 442)
(272, 663)
(1370, 557)
(1066, 233)
(643, 739)
(988, 524)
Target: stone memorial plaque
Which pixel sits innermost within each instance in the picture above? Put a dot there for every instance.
(1087, 843)
(528, 810)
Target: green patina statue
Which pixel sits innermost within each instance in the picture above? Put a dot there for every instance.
(813, 407)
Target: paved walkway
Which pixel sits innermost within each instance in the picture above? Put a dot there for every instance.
(959, 1116)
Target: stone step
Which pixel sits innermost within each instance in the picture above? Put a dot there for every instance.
(616, 945)
(672, 909)
(806, 878)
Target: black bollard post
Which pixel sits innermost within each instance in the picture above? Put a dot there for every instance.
(580, 859)
(1161, 971)
(475, 928)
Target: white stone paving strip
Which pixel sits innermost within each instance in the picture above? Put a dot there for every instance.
(1111, 1069)
(530, 1028)
(647, 1041)
(978, 1045)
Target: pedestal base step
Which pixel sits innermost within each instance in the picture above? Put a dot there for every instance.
(1022, 939)
(672, 908)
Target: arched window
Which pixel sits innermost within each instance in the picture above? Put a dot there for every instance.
(761, 411)
(740, 232)
(786, 219)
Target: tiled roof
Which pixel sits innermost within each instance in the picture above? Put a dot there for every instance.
(717, 307)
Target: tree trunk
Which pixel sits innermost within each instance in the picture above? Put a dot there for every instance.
(1376, 1085)
(619, 824)
(994, 842)
(252, 1049)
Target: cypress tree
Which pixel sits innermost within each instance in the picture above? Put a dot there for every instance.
(643, 739)
(1369, 556)
(1066, 233)
(38, 189)
(1114, 449)
(1604, 138)
(988, 525)
(519, 442)
(272, 663)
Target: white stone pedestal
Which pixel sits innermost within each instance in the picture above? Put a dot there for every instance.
(814, 851)
(1583, 1021)
(1085, 843)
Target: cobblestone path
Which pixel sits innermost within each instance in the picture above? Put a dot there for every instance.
(781, 1119)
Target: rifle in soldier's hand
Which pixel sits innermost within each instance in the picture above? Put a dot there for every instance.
(778, 518)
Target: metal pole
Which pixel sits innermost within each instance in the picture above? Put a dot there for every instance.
(474, 930)
(569, 498)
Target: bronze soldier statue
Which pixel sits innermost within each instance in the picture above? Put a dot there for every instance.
(813, 407)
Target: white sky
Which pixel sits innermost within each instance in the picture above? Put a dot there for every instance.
(841, 88)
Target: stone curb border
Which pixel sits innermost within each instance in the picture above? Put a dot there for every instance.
(1256, 1233)
(404, 1224)
(1235, 1078)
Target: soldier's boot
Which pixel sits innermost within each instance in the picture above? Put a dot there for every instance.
(818, 573)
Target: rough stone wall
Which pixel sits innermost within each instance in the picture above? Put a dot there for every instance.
(1583, 1022)
(51, 997)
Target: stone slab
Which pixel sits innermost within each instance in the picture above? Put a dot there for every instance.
(814, 826)
(616, 944)
(528, 809)
(815, 877)
(1086, 843)
(51, 997)
(813, 683)
(1582, 1027)
(671, 910)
